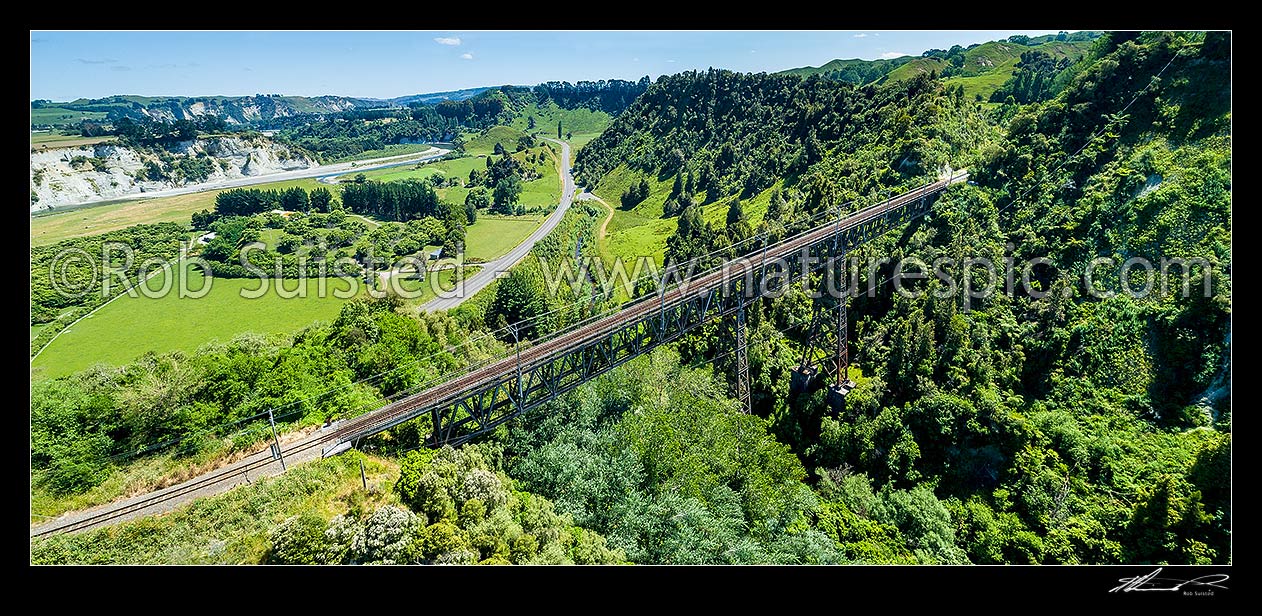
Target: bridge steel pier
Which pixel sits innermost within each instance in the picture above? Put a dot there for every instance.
(740, 339)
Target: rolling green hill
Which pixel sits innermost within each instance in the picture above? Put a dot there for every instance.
(853, 70)
(484, 142)
(546, 116)
(981, 69)
(988, 58)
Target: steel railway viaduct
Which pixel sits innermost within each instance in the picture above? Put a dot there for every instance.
(488, 395)
(485, 396)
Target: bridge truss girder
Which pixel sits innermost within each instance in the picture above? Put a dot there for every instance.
(460, 416)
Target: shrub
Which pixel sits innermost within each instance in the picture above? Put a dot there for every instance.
(299, 540)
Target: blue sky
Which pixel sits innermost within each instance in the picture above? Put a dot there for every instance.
(69, 65)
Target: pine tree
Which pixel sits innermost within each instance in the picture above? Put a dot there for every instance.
(735, 213)
(1036, 89)
(775, 209)
(814, 151)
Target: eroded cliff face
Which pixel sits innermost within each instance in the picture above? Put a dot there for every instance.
(69, 176)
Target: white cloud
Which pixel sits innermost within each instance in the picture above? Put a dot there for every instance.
(447, 40)
(635, 59)
(861, 35)
(893, 54)
(671, 61)
(466, 56)
(753, 51)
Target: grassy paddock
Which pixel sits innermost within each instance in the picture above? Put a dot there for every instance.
(65, 223)
(54, 140)
(62, 116)
(986, 83)
(129, 326)
(395, 149)
(484, 143)
(578, 141)
(458, 167)
(492, 236)
(642, 231)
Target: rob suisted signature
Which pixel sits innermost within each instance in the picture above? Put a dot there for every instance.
(1151, 582)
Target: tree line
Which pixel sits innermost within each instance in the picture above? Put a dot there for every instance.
(147, 132)
(316, 225)
(610, 96)
(248, 201)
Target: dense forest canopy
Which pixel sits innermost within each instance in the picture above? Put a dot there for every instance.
(610, 96)
(739, 133)
(1067, 428)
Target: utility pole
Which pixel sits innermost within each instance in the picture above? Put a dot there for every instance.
(276, 440)
(362, 476)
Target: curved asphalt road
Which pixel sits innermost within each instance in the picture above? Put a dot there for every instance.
(496, 267)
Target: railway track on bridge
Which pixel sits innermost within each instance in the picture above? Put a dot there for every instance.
(637, 310)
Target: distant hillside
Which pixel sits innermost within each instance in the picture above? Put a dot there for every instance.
(980, 68)
(258, 109)
(435, 97)
(987, 66)
(262, 110)
(583, 107)
(853, 70)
